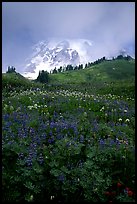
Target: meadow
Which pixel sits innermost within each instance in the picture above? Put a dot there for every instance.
(72, 140)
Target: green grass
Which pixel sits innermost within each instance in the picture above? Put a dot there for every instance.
(73, 139)
(106, 71)
(115, 77)
(15, 79)
(11, 81)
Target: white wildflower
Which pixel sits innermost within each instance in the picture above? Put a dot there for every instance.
(31, 197)
(35, 106)
(30, 107)
(85, 114)
(102, 108)
(11, 108)
(18, 109)
(127, 120)
(51, 198)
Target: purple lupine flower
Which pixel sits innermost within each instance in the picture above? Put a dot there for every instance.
(111, 142)
(50, 133)
(21, 155)
(61, 178)
(40, 159)
(37, 139)
(59, 137)
(10, 142)
(43, 136)
(102, 143)
(80, 164)
(81, 138)
(51, 140)
(68, 144)
(29, 161)
(117, 142)
(52, 125)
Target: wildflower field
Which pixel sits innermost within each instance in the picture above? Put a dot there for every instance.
(64, 143)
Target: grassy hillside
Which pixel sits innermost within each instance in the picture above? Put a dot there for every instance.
(16, 81)
(115, 77)
(108, 71)
(72, 140)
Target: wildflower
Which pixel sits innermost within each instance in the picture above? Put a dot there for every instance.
(102, 108)
(51, 197)
(31, 197)
(41, 160)
(85, 114)
(107, 193)
(50, 141)
(125, 111)
(127, 120)
(18, 109)
(61, 178)
(30, 107)
(127, 189)
(6, 106)
(101, 142)
(29, 162)
(11, 108)
(125, 142)
(130, 193)
(120, 119)
(119, 184)
(35, 106)
(81, 138)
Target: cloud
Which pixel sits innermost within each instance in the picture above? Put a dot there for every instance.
(110, 25)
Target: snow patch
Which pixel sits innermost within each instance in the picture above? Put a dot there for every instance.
(55, 53)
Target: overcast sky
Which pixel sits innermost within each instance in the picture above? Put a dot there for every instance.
(109, 25)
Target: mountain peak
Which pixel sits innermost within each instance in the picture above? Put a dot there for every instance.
(50, 54)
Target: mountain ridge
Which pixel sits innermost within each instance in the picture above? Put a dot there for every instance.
(48, 55)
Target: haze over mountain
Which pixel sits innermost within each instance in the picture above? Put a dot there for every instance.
(46, 55)
(108, 26)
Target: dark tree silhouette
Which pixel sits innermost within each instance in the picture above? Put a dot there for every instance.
(55, 71)
(11, 69)
(43, 77)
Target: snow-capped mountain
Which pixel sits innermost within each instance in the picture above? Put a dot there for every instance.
(48, 55)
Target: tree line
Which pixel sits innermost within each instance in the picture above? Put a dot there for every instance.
(69, 67)
(43, 76)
